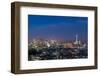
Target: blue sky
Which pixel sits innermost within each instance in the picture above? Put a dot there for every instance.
(57, 27)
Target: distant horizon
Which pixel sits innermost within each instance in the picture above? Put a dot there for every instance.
(57, 39)
(57, 27)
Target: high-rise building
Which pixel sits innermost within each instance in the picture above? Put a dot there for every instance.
(76, 40)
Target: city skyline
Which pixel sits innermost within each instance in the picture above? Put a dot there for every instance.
(57, 27)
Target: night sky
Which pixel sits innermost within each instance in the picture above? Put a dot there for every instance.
(57, 27)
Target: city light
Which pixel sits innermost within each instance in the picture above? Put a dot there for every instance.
(42, 49)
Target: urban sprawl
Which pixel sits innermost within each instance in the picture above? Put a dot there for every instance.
(41, 49)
